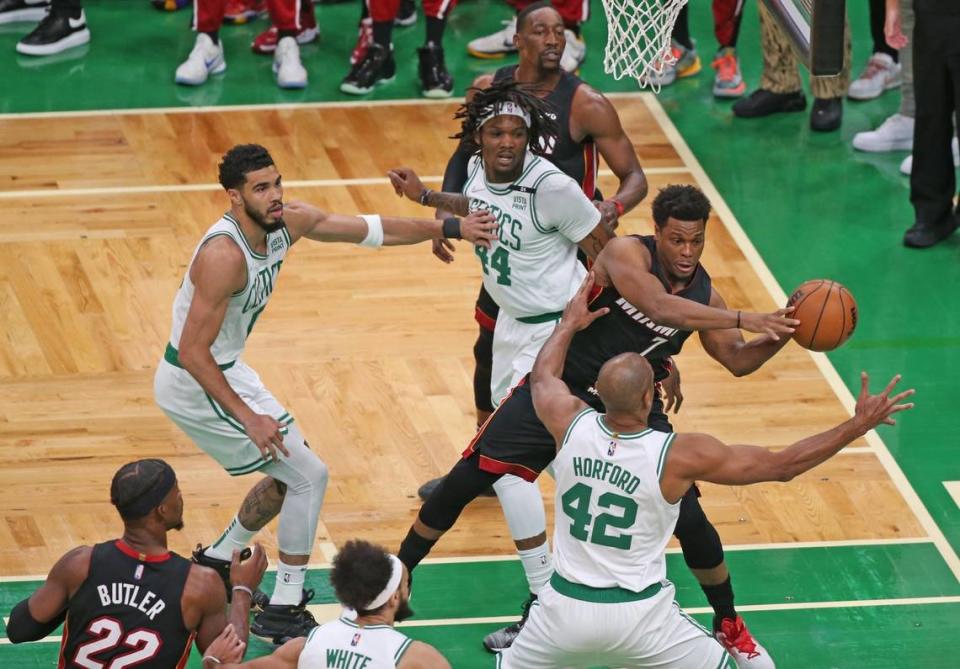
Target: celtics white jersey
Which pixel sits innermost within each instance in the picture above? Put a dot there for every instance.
(532, 269)
(342, 644)
(612, 522)
(246, 304)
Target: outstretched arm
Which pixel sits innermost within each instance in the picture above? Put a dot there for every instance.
(729, 348)
(226, 652)
(305, 220)
(555, 405)
(594, 116)
(702, 457)
(626, 263)
(45, 610)
(407, 184)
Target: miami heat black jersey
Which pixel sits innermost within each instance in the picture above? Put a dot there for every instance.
(127, 613)
(626, 328)
(578, 160)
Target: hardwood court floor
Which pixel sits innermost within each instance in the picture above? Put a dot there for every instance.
(369, 350)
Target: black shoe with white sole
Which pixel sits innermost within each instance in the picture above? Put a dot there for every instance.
(377, 67)
(15, 11)
(281, 622)
(58, 31)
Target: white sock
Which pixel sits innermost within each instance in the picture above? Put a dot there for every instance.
(538, 566)
(289, 586)
(235, 537)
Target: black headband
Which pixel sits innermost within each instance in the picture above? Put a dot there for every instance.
(150, 498)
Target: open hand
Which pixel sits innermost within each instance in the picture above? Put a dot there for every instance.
(774, 324)
(264, 432)
(405, 182)
(479, 227)
(577, 314)
(875, 409)
(672, 395)
(444, 249)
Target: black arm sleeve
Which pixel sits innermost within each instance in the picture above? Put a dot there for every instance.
(22, 627)
(455, 176)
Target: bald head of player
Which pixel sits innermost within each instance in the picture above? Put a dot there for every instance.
(625, 384)
(540, 37)
(147, 497)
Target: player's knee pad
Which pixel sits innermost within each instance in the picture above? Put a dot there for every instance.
(305, 476)
(460, 487)
(699, 541)
(522, 506)
(483, 370)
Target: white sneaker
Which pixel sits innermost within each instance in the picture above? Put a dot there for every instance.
(573, 53)
(496, 45)
(906, 167)
(894, 134)
(880, 74)
(287, 67)
(205, 59)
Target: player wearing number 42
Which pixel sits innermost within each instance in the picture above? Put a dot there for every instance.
(620, 483)
(130, 601)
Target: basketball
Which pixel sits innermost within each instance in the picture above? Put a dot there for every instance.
(827, 313)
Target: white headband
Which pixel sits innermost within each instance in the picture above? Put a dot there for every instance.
(392, 585)
(507, 109)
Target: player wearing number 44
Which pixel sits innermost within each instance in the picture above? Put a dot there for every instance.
(130, 601)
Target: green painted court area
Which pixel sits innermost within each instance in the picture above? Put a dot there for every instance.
(812, 207)
(846, 606)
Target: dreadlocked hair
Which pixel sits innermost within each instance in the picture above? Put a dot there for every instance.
(543, 129)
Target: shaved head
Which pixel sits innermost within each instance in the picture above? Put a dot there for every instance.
(625, 384)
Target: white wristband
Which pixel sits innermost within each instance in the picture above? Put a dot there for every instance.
(216, 660)
(374, 238)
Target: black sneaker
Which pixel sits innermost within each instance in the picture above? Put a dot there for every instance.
(503, 638)
(763, 103)
(58, 31)
(15, 11)
(222, 567)
(921, 236)
(427, 489)
(407, 15)
(435, 81)
(377, 67)
(281, 622)
(827, 114)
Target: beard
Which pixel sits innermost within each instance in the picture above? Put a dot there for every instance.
(261, 220)
(177, 526)
(403, 611)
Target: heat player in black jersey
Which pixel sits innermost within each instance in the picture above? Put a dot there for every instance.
(130, 601)
(657, 293)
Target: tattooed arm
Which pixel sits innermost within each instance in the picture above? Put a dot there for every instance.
(406, 183)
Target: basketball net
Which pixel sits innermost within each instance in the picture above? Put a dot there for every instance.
(638, 38)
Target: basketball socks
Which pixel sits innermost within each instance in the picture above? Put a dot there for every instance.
(382, 33)
(413, 549)
(537, 565)
(214, 35)
(286, 33)
(288, 590)
(720, 597)
(681, 29)
(435, 30)
(235, 537)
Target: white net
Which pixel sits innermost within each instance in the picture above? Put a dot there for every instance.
(638, 39)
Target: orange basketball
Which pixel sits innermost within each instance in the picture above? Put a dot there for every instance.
(827, 313)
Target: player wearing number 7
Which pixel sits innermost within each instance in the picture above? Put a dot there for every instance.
(658, 293)
(619, 487)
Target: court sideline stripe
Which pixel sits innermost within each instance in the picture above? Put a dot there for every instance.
(276, 106)
(787, 606)
(822, 362)
(301, 183)
(329, 550)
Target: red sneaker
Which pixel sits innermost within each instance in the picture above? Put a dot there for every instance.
(738, 641)
(244, 11)
(266, 42)
(364, 39)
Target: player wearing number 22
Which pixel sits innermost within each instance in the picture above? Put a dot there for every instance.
(130, 601)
